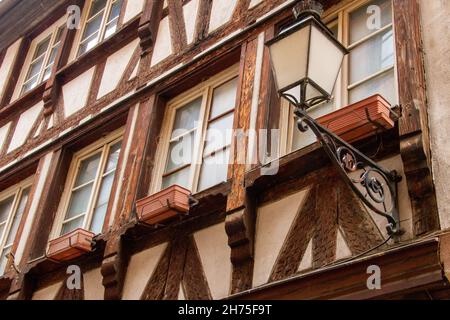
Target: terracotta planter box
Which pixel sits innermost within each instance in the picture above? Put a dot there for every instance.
(164, 205)
(351, 123)
(71, 245)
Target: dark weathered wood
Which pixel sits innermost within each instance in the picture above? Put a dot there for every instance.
(176, 268)
(149, 24)
(65, 294)
(240, 228)
(194, 281)
(177, 25)
(324, 240)
(413, 125)
(155, 287)
(296, 243)
(96, 82)
(203, 18)
(237, 169)
(114, 267)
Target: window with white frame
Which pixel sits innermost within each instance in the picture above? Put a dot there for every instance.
(40, 67)
(12, 206)
(195, 149)
(101, 22)
(88, 187)
(365, 28)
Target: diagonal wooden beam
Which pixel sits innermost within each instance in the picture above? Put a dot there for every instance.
(177, 25)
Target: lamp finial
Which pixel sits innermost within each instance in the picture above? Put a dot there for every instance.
(308, 7)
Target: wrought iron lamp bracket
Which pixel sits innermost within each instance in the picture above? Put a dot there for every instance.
(374, 185)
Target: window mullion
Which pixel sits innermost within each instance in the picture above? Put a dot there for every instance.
(200, 139)
(96, 186)
(47, 56)
(105, 20)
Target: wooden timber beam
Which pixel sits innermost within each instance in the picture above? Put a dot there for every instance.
(413, 124)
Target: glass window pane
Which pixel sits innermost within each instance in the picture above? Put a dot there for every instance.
(219, 133)
(35, 68)
(224, 98)
(383, 85)
(180, 178)
(41, 48)
(180, 152)
(187, 117)
(115, 10)
(59, 34)
(372, 56)
(102, 204)
(18, 217)
(111, 28)
(214, 170)
(113, 158)
(92, 27)
(88, 44)
(5, 208)
(2, 228)
(30, 85)
(97, 6)
(363, 21)
(72, 225)
(52, 57)
(79, 201)
(88, 170)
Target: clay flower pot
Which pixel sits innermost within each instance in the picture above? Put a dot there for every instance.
(71, 245)
(351, 123)
(164, 205)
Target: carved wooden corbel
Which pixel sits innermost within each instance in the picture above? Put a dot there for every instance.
(114, 268)
(149, 23)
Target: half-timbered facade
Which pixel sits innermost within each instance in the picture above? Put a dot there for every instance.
(90, 115)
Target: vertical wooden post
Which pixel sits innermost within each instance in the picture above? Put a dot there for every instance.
(413, 125)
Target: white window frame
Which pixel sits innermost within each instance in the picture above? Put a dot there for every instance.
(104, 145)
(51, 32)
(15, 191)
(206, 91)
(337, 15)
(101, 32)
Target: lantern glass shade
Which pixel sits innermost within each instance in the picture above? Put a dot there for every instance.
(306, 60)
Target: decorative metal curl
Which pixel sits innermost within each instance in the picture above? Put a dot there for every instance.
(376, 186)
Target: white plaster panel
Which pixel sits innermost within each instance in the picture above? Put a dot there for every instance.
(212, 244)
(436, 32)
(140, 269)
(254, 3)
(48, 293)
(273, 223)
(163, 45)
(93, 287)
(3, 133)
(115, 67)
(190, 11)
(134, 7)
(221, 13)
(307, 258)
(7, 64)
(76, 92)
(24, 125)
(342, 249)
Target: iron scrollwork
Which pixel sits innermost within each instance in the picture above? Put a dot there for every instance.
(373, 184)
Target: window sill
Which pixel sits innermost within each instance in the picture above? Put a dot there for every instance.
(24, 102)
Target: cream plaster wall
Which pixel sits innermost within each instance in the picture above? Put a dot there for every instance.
(140, 270)
(48, 293)
(134, 7)
(115, 67)
(3, 133)
(212, 244)
(190, 18)
(76, 92)
(93, 287)
(24, 125)
(163, 45)
(7, 64)
(436, 34)
(272, 226)
(221, 13)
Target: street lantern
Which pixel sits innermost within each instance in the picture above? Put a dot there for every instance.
(306, 60)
